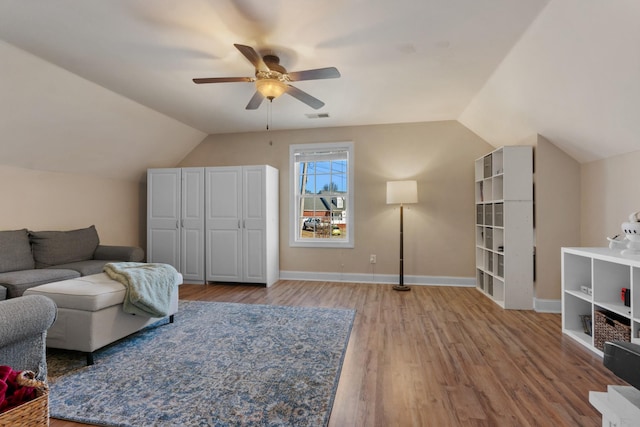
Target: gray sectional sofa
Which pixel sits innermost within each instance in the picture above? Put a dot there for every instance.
(32, 258)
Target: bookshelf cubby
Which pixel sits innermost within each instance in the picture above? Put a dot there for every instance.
(592, 280)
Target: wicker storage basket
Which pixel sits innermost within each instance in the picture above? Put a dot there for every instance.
(32, 413)
(610, 327)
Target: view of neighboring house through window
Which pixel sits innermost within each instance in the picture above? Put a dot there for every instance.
(322, 194)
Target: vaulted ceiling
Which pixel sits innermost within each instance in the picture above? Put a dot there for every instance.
(94, 77)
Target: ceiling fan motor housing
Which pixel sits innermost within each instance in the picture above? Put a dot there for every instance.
(275, 72)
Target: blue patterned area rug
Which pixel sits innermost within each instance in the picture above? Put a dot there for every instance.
(219, 364)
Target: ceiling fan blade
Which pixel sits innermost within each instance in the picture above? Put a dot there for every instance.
(255, 101)
(317, 74)
(304, 97)
(222, 80)
(252, 56)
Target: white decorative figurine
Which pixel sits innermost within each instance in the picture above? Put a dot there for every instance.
(631, 239)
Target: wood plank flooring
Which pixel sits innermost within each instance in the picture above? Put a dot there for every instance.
(441, 356)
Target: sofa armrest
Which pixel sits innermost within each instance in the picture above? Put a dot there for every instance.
(3, 293)
(23, 329)
(25, 316)
(119, 253)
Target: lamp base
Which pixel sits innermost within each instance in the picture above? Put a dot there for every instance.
(401, 288)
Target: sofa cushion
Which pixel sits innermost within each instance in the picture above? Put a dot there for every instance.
(119, 253)
(15, 251)
(17, 282)
(85, 268)
(88, 293)
(62, 247)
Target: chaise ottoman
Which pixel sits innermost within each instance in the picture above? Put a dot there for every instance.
(90, 313)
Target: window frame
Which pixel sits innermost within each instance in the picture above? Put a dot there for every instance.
(294, 194)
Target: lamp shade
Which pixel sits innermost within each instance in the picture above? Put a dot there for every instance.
(402, 192)
(271, 88)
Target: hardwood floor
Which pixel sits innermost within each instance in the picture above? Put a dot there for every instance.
(441, 356)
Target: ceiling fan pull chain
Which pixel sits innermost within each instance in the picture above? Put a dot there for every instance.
(269, 115)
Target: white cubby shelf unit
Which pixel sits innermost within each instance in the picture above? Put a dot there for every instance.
(504, 226)
(605, 272)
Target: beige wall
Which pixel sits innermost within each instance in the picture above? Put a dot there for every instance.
(557, 214)
(609, 194)
(40, 200)
(439, 230)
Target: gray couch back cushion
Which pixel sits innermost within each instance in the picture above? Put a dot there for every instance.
(15, 251)
(62, 247)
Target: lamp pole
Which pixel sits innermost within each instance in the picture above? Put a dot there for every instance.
(401, 286)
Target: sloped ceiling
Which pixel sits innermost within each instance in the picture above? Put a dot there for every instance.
(102, 79)
(52, 120)
(574, 78)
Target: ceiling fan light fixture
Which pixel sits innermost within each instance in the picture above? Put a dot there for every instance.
(271, 88)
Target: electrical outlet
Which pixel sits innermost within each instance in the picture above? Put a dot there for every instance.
(372, 259)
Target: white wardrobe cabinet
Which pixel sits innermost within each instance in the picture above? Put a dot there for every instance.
(175, 220)
(215, 223)
(242, 232)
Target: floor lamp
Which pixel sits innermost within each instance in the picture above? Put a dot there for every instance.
(402, 192)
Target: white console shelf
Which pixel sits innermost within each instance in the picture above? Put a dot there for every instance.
(605, 271)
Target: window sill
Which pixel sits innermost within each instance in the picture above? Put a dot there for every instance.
(333, 244)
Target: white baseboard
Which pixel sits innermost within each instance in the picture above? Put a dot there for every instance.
(377, 278)
(547, 305)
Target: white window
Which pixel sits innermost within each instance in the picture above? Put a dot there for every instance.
(321, 195)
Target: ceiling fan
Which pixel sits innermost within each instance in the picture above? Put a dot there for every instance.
(272, 79)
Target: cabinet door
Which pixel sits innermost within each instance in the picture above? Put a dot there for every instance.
(253, 224)
(223, 224)
(192, 225)
(163, 216)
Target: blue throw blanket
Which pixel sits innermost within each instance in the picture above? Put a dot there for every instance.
(148, 286)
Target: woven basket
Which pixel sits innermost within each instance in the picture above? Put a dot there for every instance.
(609, 327)
(32, 413)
